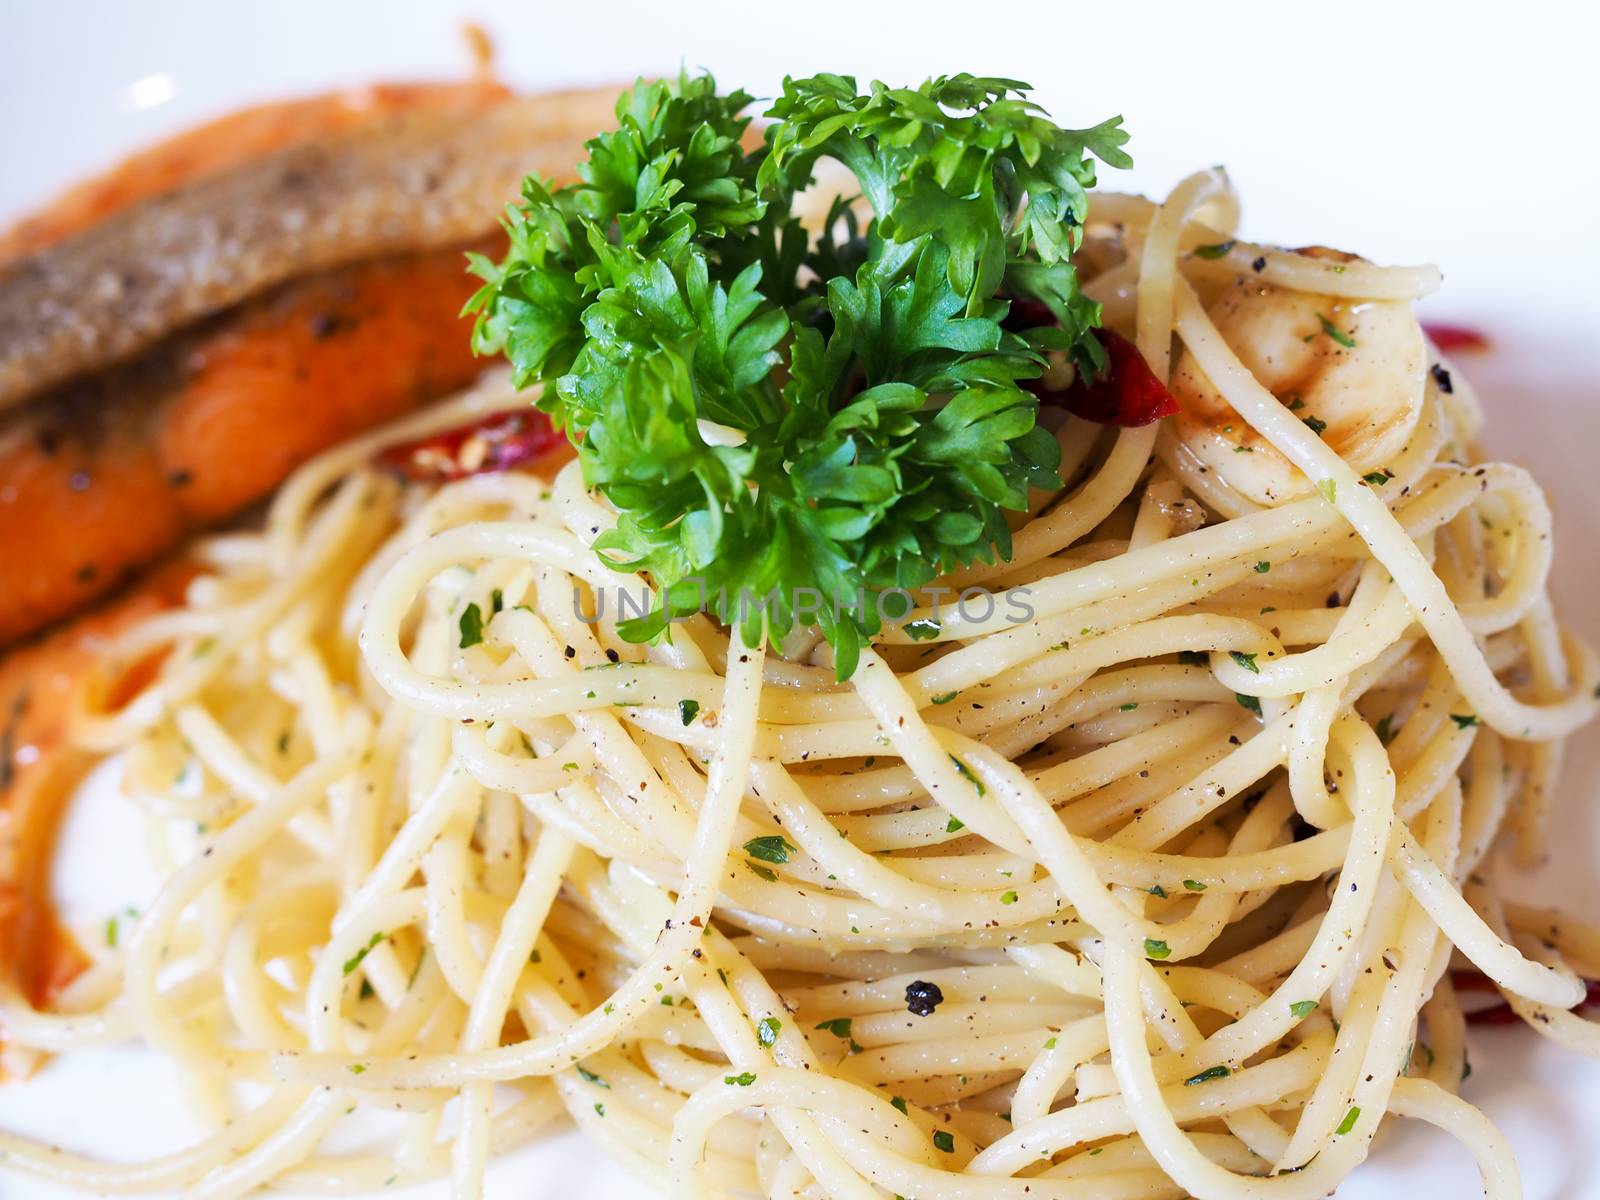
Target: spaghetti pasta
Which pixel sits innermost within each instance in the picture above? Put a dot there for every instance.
(1151, 892)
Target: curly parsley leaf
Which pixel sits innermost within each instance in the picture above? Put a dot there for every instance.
(777, 418)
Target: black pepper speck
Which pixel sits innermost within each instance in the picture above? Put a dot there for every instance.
(923, 997)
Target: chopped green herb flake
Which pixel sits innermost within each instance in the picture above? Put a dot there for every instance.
(1337, 334)
(1206, 1076)
(688, 710)
(966, 773)
(1317, 425)
(1217, 250)
(900, 1103)
(767, 1030)
(1303, 1008)
(1247, 661)
(1158, 891)
(1253, 703)
(355, 960)
(838, 1026)
(944, 698)
(954, 824)
(1263, 567)
(1464, 720)
(743, 1079)
(1008, 897)
(923, 629)
(944, 1140)
(1329, 489)
(1154, 948)
(1349, 1122)
(471, 625)
(773, 849)
(1194, 885)
(591, 1077)
(766, 873)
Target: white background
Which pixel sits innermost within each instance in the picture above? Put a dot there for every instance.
(1457, 133)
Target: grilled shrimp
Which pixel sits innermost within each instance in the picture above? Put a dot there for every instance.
(1353, 370)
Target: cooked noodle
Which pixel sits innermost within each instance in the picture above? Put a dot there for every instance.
(1189, 916)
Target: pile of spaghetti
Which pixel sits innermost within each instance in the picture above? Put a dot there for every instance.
(1157, 892)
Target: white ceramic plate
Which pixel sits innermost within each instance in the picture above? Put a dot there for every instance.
(1460, 136)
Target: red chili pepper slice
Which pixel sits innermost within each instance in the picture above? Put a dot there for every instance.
(1501, 1013)
(1455, 337)
(499, 441)
(1126, 394)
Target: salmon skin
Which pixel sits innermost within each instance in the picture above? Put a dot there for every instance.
(406, 181)
(229, 141)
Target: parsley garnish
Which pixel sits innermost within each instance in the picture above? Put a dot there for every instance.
(1157, 891)
(1008, 897)
(1253, 703)
(1317, 425)
(1302, 1008)
(966, 773)
(900, 1103)
(767, 1030)
(1219, 250)
(944, 697)
(1193, 885)
(882, 425)
(954, 824)
(688, 710)
(1207, 1076)
(1337, 334)
(743, 1079)
(1263, 567)
(944, 1140)
(591, 1077)
(351, 963)
(471, 626)
(766, 873)
(1349, 1122)
(840, 1028)
(1247, 661)
(1464, 720)
(1156, 949)
(774, 849)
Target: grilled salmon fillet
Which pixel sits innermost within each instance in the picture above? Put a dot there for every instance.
(134, 415)
(281, 335)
